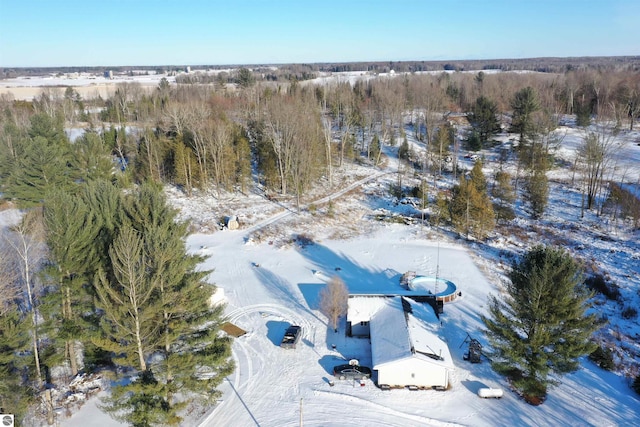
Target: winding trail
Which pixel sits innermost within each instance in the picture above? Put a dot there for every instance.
(287, 212)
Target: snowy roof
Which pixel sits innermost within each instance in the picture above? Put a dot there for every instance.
(423, 331)
(398, 335)
(360, 308)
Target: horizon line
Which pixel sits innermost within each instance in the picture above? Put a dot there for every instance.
(265, 64)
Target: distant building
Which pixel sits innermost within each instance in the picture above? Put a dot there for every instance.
(188, 69)
(108, 74)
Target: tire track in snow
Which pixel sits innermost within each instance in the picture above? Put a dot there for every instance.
(424, 421)
(271, 310)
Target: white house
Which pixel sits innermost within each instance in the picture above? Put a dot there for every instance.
(405, 346)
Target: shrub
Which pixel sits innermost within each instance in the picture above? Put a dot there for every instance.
(598, 284)
(603, 357)
(304, 240)
(629, 313)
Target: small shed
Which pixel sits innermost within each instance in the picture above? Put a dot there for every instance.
(406, 349)
(232, 222)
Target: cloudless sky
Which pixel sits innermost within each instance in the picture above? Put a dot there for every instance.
(211, 32)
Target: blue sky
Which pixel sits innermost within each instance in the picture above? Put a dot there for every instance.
(193, 32)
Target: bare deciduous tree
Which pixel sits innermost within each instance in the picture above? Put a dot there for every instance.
(28, 251)
(595, 155)
(333, 301)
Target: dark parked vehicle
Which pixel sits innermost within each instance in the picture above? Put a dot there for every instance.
(291, 337)
(354, 372)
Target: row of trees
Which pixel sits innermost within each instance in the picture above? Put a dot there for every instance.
(99, 277)
(193, 137)
(93, 275)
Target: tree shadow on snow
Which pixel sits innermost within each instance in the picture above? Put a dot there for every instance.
(275, 331)
(282, 290)
(357, 278)
(311, 294)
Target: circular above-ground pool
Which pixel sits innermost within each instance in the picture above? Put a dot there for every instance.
(443, 289)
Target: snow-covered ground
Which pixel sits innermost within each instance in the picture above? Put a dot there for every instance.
(270, 287)
(88, 85)
(271, 280)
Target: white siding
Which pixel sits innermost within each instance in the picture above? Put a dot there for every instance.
(412, 372)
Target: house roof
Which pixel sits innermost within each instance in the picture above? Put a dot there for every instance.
(397, 335)
(361, 308)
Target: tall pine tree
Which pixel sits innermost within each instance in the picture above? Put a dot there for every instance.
(540, 327)
(72, 231)
(170, 319)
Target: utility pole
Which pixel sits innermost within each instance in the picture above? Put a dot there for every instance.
(301, 412)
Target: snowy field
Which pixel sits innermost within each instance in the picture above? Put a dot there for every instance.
(88, 85)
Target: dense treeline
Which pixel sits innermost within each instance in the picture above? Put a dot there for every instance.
(202, 137)
(97, 271)
(546, 65)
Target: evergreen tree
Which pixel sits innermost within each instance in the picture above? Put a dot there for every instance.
(505, 196)
(440, 209)
(140, 403)
(524, 104)
(48, 127)
(537, 192)
(583, 113)
(474, 142)
(185, 169)
(471, 209)
(104, 201)
(182, 292)
(540, 327)
(16, 395)
(91, 160)
(72, 231)
(175, 321)
(245, 78)
(403, 150)
(375, 149)
(483, 118)
(42, 168)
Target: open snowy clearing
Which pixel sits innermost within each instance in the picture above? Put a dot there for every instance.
(269, 286)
